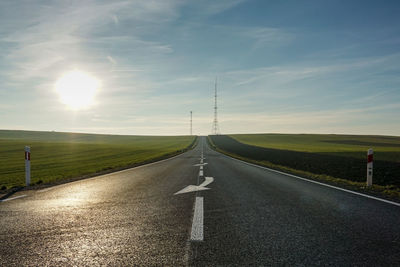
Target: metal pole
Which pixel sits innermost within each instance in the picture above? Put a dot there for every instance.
(215, 129)
(370, 159)
(27, 165)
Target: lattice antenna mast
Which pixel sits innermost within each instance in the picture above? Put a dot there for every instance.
(191, 123)
(215, 129)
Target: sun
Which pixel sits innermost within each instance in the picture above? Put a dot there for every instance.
(77, 89)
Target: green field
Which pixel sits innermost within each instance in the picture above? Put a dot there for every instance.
(385, 147)
(56, 156)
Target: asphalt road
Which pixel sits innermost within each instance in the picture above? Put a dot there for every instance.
(239, 215)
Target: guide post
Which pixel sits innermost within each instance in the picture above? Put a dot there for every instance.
(370, 159)
(27, 165)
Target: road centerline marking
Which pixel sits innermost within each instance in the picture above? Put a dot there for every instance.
(198, 219)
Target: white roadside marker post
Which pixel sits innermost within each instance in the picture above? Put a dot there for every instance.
(370, 159)
(27, 165)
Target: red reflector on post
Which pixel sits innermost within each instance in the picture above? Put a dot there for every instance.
(370, 158)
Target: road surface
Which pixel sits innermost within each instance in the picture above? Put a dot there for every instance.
(200, 208)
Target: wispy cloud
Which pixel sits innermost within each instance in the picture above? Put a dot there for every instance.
(299, 71)
(265, 37)
(158, 59)
(115, 19)
(59, 34)
(352, 120)
(210, 7)
(112, 60)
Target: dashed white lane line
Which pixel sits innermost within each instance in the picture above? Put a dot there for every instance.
(201, 173)
(12, 198)
(197, 224)
(201, 167)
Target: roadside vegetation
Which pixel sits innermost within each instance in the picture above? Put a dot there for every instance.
(336, 159)
(59, 156)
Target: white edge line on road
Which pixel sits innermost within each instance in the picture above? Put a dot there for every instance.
(50, 188)
(197, 224)
(315, 182)
(12, 198)
(111, 173)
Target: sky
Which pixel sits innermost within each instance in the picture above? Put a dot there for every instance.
(323, 66)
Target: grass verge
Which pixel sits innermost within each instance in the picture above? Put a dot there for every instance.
(60, 157)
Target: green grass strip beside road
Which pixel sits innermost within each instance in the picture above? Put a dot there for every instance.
(56, 157)
(389, 192)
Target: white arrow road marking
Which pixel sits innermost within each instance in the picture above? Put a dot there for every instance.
(191, 188)
(200, 164)
(194, 188)
(207, 181)
(197, 224)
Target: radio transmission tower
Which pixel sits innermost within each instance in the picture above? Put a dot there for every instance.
(191, 121)
(215, 128)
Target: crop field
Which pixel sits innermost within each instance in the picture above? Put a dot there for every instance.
(57, 156)
(385, 147)
(339, 156)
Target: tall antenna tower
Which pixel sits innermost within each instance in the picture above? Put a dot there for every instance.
(215, 128)
(191, 121)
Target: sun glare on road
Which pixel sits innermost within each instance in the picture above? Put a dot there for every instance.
(77, 89)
